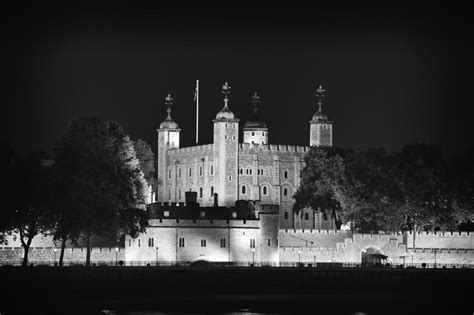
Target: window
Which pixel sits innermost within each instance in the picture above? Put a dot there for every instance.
(250, 171)
(306, 216)
(179, 194)
(129, 242)
(212, 191)
(286, 215)
(200, 170)
(169, 173)
(263, 133)
(225, 137)
(285, 192)
(181, 242)
(247, 171)
(203, 243)
(212, 169)
(286, 174)
(253, 133)
(222, 242)
(200, 192)
(264, 190)
(169, 194)
(190, 172)
(243, 190)
(179, 172)
(230, 178)
(139, 243)
(151, 242)
(269, 242)
(252, 243)
(241, 171)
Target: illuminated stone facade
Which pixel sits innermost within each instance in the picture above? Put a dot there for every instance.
(252, 170)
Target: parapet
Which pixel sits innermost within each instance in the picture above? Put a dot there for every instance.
(205, 148)
(273, 147)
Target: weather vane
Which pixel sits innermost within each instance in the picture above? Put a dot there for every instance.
(255, 101)
(169, 103)
(226, 90)
(320, 95)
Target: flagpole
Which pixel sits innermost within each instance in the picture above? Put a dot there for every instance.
(197, 112)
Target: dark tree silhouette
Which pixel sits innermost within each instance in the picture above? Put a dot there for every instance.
(98, 168)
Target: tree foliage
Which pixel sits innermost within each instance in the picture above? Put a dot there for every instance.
(103, 185)
(146, 160)
(415, 188)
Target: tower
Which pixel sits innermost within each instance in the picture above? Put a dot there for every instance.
(226, 139)
(168, 138)
(320, 126)
(255, 129)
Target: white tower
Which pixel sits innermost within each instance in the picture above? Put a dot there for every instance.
(255, 129)
(320, 126)
(226, 154)
(168, 138)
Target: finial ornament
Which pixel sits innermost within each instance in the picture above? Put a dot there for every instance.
(226, 91)
(169, 103)
(255, 102)
(320, 93)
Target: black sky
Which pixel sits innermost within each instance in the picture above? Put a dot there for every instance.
(394, 75)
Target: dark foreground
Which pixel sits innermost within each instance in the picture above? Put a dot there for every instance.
(80, 290)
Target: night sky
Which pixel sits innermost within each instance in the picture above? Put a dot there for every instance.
(393, 75)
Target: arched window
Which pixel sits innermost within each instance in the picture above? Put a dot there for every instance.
(212, 191)
(264, 190)
(190, 172)
(169, 194)
(243, 190)
(286, 174)
(179, 193)
(200, 170)
(285, 191)
(200, 192)
(169, 173)
(179, 172)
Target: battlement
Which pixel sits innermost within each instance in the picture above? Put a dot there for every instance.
(438, 234)
(310, 231)
(205, 148)
(273, 147)
(238, 223)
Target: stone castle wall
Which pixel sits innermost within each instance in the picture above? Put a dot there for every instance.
(38, 255)
(182, 240)
(440, 240)
(345, 247)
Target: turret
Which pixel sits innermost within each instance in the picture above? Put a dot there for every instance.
(168, 138)
(255, 129)
(320, 126)
(226, 139)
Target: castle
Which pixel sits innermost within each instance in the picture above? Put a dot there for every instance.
(251, 170)
(232, 202)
